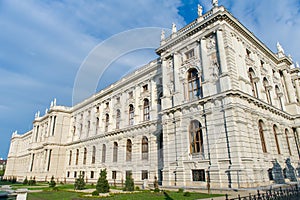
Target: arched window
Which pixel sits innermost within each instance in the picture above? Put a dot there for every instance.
(37, 133)
(131, 114)
(106, 122)
(128, 150)
(276, 139)
(70, 157)
(279, 95)
(94, 155)
(194, 85)
(262, 137)
(146, 110)
(84, 155)
(77, 155)
(97, 124)
(196, 137)
(118, 119)
(115, 152)
(287, 141)
(103, 153)
(251, 75)
(282, 80)
(145, 148)
(267, 90)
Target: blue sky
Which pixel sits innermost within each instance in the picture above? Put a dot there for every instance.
(43, 43)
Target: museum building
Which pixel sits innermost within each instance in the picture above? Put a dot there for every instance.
(216, 107)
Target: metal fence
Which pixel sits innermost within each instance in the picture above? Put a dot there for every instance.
(292, 193)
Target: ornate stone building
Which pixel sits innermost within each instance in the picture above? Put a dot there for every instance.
(216, 107)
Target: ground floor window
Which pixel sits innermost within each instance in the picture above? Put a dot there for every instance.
(144, 174)
(68, 174)
(92, 174)
(75, 174)
(198, 174)
(114, 175)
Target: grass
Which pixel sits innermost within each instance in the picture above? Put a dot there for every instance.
(145, 195)
(66, 192)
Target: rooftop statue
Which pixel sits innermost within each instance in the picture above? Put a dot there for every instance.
(162, 35)
(279, 48)
(174, 29)
(200, 10)
(215, 3)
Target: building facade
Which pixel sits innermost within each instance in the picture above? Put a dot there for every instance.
(216, 108)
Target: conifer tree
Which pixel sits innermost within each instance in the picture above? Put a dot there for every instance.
(102, 183)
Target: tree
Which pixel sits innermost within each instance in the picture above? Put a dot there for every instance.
(129, 183)
(102, 183)
(52, 182)
(79, 183)
(25, 182)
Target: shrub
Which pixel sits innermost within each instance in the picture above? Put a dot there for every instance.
(102, 183)
(180, 190)
(95, 193)
(129, 183)
(187, 194)
(32, 181)
(137, 188)
(25, 182)
(156, 190)
(79, 183)
(52, 182)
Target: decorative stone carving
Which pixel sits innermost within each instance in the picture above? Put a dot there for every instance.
(290, 171)
(298, 169)
(211, 42)
(277, 173)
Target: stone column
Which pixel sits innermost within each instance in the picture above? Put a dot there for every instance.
(221, 51)
(289, 86)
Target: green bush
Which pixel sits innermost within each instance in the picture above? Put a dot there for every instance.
(129, 183)
(137, 188)
(156, 190)
(180, 190)
(25, 182)
(187, 194)
(102, 183)
(32, 181)
(79, 183)
(52, 182)
(95, 193)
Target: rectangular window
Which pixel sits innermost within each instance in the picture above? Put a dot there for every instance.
(248, 53)
(198, 174)
(130, 94)
(190, 54)
(32, 161)
(53, 128)
(68, 174)
(75, 174)
(49, 160)
(145, 88)
(92, 174)
(144, 174)
(114, 175)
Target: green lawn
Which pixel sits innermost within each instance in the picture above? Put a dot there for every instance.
(144, 195)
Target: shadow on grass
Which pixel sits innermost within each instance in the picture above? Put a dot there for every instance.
(167, 197)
